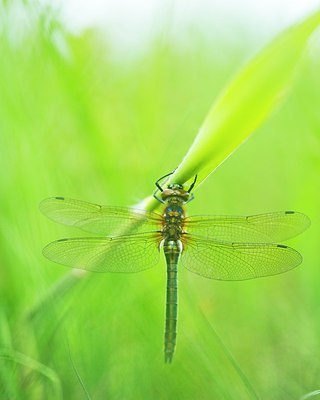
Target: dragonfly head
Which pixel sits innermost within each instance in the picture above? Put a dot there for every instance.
(175, 193)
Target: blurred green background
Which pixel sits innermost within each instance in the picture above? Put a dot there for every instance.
(79, 120)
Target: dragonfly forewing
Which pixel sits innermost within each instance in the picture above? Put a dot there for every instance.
(262, 228)
(98, 219)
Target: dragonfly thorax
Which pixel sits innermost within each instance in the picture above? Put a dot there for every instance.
(173, 217)
(173, 211)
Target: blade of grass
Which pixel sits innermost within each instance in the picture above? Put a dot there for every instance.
(231, 359)
(8, 379)
(86, 393)
(311, 394)
(55, 293)
(248, 100)
(19, 358)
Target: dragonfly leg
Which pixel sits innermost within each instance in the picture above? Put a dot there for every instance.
(192, 185)
(159, 187)
(190, 188)
(157, 197)
(190, 199)
(160, 179)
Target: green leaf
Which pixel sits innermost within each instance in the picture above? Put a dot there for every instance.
(246, 102)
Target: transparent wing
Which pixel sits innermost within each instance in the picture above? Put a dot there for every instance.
(132, 253)
(237, 261)
(99, 219)
(262, 228)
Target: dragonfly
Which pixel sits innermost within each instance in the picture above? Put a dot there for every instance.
(220, 247)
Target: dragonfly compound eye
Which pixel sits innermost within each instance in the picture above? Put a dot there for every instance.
(175, 186)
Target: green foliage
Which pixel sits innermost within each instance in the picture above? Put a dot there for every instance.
(77, 121)
(254, 92)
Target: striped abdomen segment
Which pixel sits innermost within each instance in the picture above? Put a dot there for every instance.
(172, 250)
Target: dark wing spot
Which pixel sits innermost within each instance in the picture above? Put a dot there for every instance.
(289, 212)
(282, 246)
(62, 240)
(59, 198)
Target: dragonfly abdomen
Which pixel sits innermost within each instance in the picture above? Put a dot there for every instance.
(172, 250)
